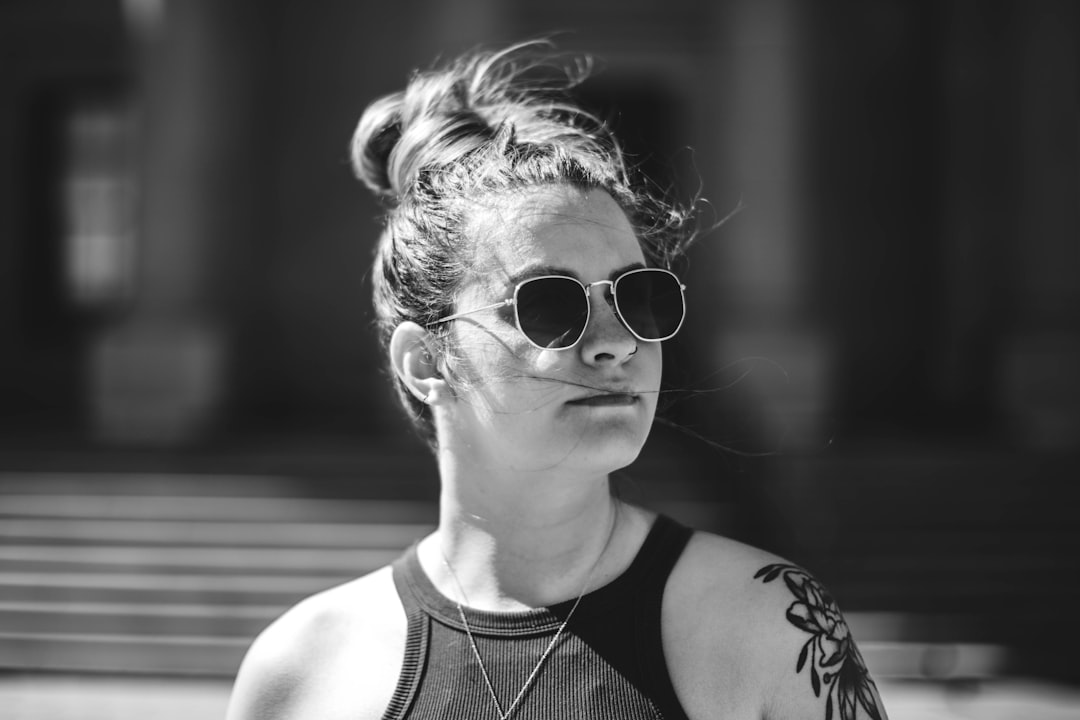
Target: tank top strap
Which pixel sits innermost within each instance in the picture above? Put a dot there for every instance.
(416, 638)
(658, 557)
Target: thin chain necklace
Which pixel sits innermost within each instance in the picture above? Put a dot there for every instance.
(503, 715)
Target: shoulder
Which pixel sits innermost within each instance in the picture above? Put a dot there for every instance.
(750, 630)
(294, 666)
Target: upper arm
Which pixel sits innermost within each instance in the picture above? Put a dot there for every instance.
(747, 635)
(335, 655)
(817, 670)
(269, 679)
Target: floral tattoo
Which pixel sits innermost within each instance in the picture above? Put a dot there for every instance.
(830, 653)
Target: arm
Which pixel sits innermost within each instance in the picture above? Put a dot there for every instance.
(747, 635)
(268, 684)
(335, 655)
(819, 671)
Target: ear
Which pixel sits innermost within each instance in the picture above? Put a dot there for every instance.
(415, 361)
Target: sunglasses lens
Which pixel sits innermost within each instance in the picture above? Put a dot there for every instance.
(650, 303)
(552, 311)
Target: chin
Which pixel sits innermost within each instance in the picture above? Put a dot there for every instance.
(610, 451)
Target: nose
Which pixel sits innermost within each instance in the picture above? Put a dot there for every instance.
(606, 340)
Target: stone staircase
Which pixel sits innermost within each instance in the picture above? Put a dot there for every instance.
(173, 574)
(946, 567)
(170, 563)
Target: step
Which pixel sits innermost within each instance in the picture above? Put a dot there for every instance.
(148, 588)
(126, 618)
(210, 560)
(135, 654)
(205, 508)
(197, 532)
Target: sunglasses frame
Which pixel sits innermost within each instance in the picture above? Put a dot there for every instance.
(586, 287)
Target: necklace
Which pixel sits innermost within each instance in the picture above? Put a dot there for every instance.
(504, 714)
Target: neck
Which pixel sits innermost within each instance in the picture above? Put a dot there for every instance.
(517, 540)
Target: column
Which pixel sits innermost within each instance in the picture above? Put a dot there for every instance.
(158, 376)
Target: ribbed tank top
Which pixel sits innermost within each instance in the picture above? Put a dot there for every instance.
(609, 663)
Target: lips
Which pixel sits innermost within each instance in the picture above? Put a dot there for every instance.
(606, 400)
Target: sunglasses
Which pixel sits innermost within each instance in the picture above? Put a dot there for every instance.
(552, 311)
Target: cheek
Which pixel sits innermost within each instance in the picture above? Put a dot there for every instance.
(653, 354)
(653, 360)
(650, 364)
(499, 372)
(482, 353)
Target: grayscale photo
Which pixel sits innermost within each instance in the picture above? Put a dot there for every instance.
(690, 360)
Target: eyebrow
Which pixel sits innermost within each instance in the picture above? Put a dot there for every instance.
(541, 270)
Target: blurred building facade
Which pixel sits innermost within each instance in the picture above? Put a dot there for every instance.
(892, 317)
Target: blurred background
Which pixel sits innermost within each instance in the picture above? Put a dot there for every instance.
(878, 378)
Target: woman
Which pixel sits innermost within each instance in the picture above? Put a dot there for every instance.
(522, 293)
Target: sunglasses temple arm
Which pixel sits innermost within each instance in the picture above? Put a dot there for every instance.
(455, 316)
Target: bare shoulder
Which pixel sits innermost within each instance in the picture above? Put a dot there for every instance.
(752, 635)
(335, 654)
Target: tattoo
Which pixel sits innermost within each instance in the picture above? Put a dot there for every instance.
(830, 653)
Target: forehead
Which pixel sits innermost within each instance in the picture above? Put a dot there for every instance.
(560, 226)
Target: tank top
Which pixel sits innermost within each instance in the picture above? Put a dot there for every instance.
(609, 663)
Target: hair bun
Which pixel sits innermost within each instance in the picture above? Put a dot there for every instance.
(514, 97)
(375, 137)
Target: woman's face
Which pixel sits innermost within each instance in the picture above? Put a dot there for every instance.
(588, 408)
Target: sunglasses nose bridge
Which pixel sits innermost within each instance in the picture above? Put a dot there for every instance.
(609, 300)
(609, 294)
